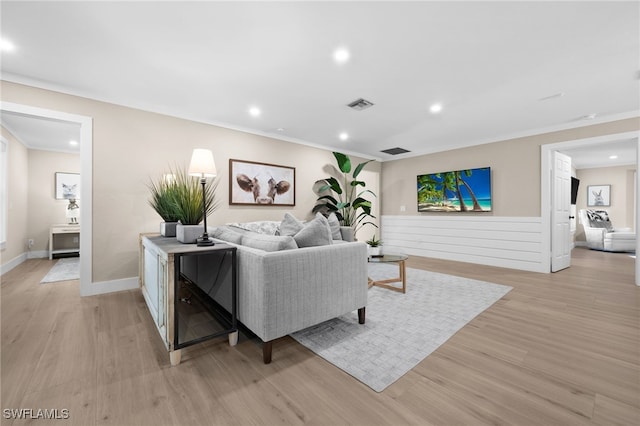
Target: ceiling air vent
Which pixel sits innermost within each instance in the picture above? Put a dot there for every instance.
(360, 104)
(395, 151)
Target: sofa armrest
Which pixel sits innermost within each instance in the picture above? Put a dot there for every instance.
(286, 291)
(595, 237)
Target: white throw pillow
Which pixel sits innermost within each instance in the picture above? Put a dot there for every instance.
(334, 224)
(290, 226)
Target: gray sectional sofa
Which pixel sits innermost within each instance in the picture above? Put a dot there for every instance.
(293, 281)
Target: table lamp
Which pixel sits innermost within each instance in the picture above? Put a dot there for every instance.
(203, 166)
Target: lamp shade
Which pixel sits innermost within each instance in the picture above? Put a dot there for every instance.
(202, 163)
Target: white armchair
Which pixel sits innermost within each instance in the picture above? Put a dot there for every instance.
(601, 235)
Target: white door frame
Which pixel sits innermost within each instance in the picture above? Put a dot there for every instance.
(546, 201)
(86, 180)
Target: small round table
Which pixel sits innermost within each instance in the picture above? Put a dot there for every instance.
(391, 258)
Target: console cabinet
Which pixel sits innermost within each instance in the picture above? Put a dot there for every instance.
(57, 236)
(191, 291)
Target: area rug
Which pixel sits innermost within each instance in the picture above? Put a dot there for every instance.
(400, 329)
(64, 270)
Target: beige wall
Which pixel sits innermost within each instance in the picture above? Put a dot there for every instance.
(17, 194)
(515, 169)
(44, 209)
(621, 180)
(130, 146)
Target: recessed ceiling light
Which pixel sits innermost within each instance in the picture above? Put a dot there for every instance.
(341, 55)
(589, 116)
(613, 157)
(73, 143)
(435, 108)
(255, 111)
(6, 45)
(280, 129)
(343, 136)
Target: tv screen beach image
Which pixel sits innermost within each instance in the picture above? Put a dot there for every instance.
(455, 191)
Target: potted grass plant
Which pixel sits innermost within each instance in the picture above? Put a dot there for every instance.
(188, 200)
(163, 202)
(178, 198)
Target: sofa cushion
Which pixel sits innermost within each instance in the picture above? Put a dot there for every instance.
(269, 242)
(334, 224)
(228, 234)
(267, 227)
(316, 232)
(290, 225)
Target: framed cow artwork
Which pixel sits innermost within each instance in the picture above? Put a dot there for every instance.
(261, 184)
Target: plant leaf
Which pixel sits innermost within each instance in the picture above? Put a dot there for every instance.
(334, 185)
(329, 198)
(359, 168)
(344, 163)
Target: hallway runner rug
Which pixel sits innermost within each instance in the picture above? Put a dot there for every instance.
(400, 329)
(65, 269)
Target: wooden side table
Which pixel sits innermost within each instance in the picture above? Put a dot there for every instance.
(391, 258)
(191, 291)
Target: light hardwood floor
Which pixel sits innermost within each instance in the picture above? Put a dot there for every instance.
(559, 349)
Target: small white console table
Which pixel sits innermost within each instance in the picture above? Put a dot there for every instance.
(56, 230)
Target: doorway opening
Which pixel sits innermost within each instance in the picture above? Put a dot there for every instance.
(548, 201)
(86, 150)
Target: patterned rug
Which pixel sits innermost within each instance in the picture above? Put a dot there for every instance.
(64, 270)
(400, 329)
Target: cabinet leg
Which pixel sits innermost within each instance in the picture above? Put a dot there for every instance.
(175, 356)
(233, 338)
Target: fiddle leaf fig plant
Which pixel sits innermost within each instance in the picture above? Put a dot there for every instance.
(343, 196)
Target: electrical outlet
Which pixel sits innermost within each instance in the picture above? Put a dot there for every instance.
(403, 208)
(30, 242)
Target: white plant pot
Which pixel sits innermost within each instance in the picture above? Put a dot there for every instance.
(188, 234)
(168, 229)
(375, 251)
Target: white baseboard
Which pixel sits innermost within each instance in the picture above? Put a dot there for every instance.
(12, 263)
(91, 289)
(40, 254)
(103, 287)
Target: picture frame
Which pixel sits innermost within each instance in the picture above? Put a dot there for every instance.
(598, 195)
(67, 186)
(261, 184)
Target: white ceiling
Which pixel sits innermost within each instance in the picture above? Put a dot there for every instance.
(42, 133)
(599, 155)
(494, 66)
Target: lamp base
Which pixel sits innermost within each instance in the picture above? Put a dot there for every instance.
(204, 241)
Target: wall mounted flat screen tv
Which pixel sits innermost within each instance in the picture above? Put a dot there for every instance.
(455, 191)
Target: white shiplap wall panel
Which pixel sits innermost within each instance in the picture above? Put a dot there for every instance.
(510, 242)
